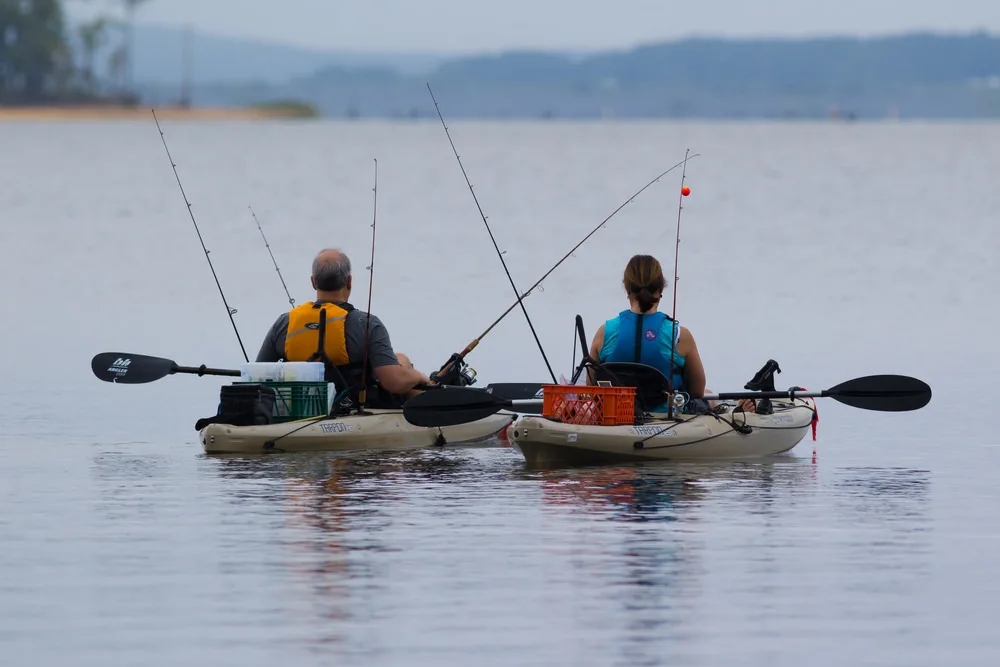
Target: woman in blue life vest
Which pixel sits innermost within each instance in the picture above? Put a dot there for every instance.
(645, 335)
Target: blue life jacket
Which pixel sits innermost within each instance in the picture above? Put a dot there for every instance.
(652, 344)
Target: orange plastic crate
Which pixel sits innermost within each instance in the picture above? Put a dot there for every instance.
(576, 404)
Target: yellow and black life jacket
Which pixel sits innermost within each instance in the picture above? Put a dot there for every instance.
(302, 339)
(316, 332)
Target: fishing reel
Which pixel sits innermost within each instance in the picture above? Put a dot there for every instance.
(455, 373)
(468, 375)
(682, 402)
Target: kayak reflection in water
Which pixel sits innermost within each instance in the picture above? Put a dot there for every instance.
(644, 335)
(340, 341)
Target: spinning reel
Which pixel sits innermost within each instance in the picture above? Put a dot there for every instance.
(455, 372)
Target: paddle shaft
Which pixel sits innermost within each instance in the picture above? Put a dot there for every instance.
(739, 395)
(729, 396)
(204, 370)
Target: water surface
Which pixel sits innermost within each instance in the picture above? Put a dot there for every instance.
(838, 249)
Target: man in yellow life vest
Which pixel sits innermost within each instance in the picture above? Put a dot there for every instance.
(295, 336)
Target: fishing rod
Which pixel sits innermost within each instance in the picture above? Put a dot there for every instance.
(490, 231)
(685, 191)
(229, 310)
(268, 245)
(363, 394)
(460, 356)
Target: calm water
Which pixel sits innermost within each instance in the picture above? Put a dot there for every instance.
(839, 250)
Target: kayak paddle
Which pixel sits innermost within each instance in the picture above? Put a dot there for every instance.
(885, 393)
(449, 406)
(515, 390)
(460, 405)
(124, 368)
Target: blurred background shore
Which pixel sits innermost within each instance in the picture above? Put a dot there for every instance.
(73, 58)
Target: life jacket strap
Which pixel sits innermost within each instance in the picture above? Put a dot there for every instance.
(638, 340)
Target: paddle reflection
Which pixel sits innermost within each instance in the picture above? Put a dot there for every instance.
(636, 554)
(334, 510)
(663, 491)
(670, 527)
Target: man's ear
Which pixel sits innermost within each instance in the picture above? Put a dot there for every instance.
(349, 279)
(312, 279)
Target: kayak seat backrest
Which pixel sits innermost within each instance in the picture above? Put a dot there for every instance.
(652, 388)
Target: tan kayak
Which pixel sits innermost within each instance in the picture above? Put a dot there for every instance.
(377, 430)
(727, 436)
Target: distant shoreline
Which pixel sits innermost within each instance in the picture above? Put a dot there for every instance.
(111, 112)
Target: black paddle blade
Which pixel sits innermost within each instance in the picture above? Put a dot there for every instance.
(448, 406)
(124, 368)
(886, 393)
(515, 391)
(519, 391)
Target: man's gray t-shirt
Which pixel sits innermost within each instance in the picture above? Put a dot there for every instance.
(379, 351)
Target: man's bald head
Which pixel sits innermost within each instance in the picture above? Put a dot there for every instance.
(331, 270)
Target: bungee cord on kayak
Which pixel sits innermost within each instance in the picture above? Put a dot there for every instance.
(268, 245)
(742, 427)
(229, 310)
(492, 238)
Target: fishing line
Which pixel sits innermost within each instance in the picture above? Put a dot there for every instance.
(673, 315)
(268, 245)
(229, 310)
(363, 394)
(471, 346)
(490, 231)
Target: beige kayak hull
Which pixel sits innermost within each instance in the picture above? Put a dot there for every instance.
(378, 430)
(543, 441)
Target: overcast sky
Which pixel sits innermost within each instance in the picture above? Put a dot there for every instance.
(462, 26)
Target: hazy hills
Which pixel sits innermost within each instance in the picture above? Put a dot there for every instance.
(919, 75)
(159, 59)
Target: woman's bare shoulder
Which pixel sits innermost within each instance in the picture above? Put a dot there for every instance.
(685, 341)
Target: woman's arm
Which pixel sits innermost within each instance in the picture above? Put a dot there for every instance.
(595, 351)
(694, 371)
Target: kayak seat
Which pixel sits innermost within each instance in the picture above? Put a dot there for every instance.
(652, 388)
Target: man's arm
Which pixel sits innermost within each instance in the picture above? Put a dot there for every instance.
(269, 349)
(393, 376)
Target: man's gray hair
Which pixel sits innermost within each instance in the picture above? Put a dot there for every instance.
(331, 273)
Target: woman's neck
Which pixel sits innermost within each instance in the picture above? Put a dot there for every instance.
(634, 307)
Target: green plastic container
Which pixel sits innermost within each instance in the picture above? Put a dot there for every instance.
(297, 400)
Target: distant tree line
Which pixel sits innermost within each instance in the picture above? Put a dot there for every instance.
(43, 62)
(907, 76)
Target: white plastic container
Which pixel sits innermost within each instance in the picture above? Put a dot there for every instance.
(301, 371)
(259, 372)
(283, 371)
